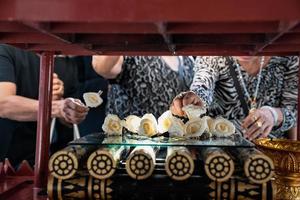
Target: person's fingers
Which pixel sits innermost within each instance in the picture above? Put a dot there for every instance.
(73, 114)
(249, 120)
(75, 105)
(197, 102)
(79, 102)
(255, 130)
(56, 87)
(249, 132)
(59, 91)
(56, 97)
(56, 81)
(188, 98)
(74, 120)
(266, 132)
(176, 107)
(255, 135)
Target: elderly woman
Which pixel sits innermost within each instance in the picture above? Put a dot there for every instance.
(258, 94)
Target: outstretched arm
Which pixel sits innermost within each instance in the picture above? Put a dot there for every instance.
(108, 66)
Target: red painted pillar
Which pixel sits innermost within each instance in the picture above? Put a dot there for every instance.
(43, 123)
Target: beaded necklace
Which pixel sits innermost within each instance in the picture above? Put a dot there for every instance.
(253, 102)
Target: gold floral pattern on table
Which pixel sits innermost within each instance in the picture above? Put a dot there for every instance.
(286, 157)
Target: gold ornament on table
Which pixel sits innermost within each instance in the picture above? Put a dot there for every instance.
(286, 157)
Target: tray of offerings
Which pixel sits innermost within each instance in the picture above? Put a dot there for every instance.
(160, 160)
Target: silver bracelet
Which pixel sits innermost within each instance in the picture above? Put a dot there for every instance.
(274, 114)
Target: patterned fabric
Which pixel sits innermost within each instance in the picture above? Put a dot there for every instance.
(278, 88)
(147, 85)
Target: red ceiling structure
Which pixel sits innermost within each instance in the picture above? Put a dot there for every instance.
(193, 27)
(140, 27)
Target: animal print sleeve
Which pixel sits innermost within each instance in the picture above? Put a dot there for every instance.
(188, 70)
(290, 94)
(206, 73)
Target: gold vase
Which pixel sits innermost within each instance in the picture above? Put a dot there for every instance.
(286, 157)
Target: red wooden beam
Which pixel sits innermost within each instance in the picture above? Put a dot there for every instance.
(284, 27)
(162, 49)
(215, 49)
(289, 38)
(133, 48)
(149, 11)
(43, 124)
(158, 49)
(61, 49)
(164, 38)
(102, 27)
(296, 29)
(119, 39)
(64, 38)
(219, 39)
(283, 48)
(8, 26)
(44, 28)
(222, 27)
(168, 40)
(27, 38)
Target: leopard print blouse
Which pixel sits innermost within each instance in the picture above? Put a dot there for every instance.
(147, 85)
(278, 88)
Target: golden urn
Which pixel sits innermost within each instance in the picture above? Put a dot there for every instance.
(286, 157)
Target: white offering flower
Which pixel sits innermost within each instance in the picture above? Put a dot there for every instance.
(148, 125)
(165, 121)
(193, 111)
(209, 122)
(222, 127)
(195, 127)
(92, 99)
(112, 125)
(132, 123)
(177, 127)
(149, 116)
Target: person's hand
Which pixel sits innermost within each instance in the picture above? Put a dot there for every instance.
(74, 111)
(183, 99)
(258, 123)
(57, 88)
(56, 108)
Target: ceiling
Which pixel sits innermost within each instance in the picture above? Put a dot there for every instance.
(153, 27)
